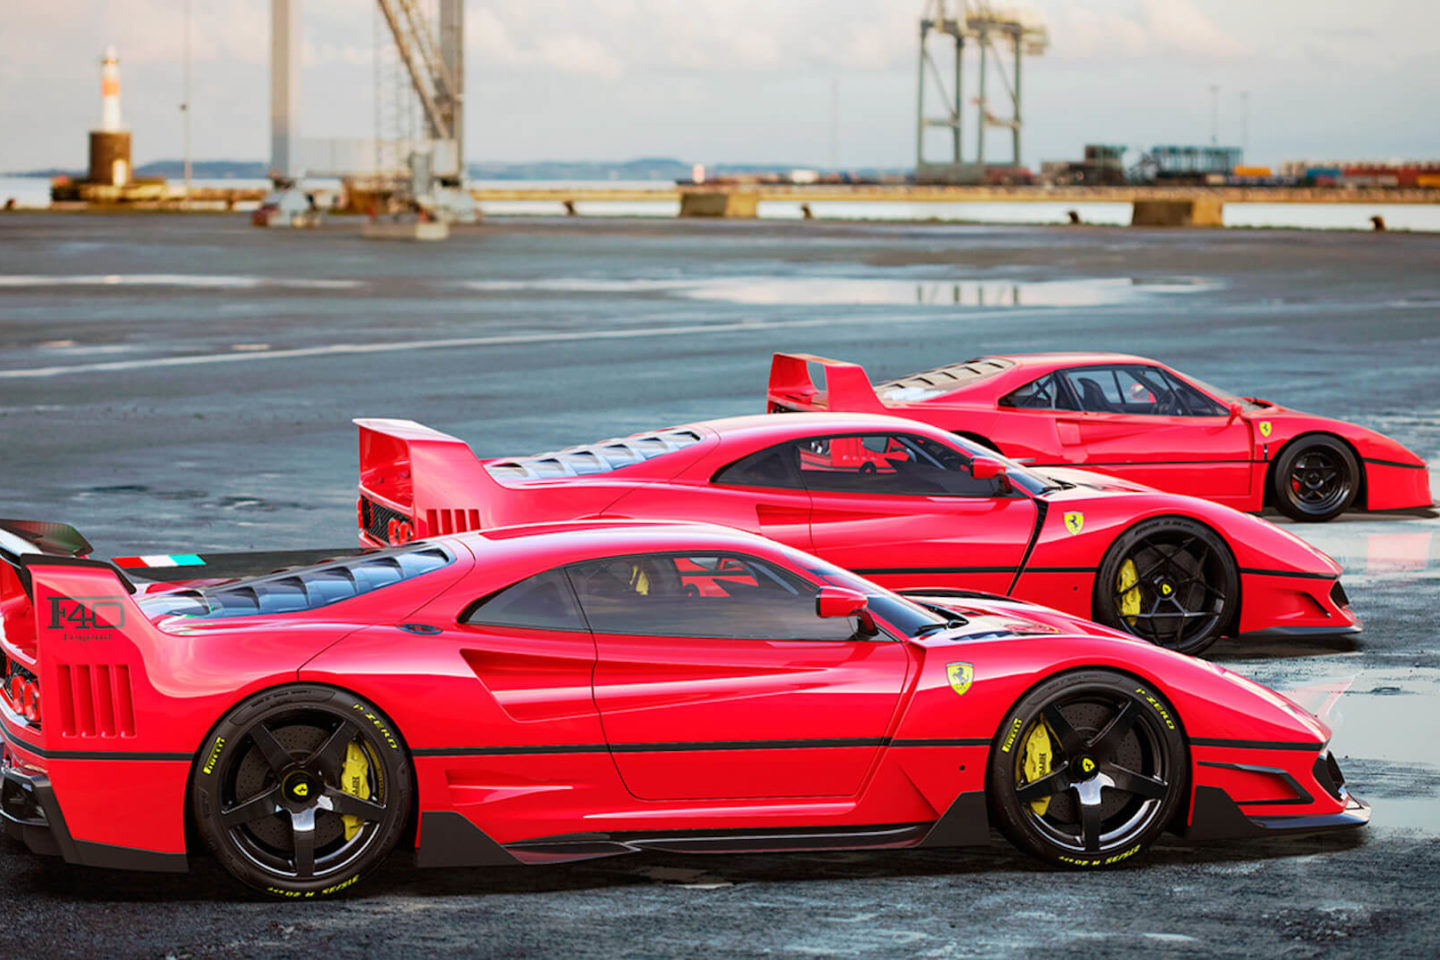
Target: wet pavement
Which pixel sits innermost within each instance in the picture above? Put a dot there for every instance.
(178, 383)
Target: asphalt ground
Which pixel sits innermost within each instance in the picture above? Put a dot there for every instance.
(178, 383)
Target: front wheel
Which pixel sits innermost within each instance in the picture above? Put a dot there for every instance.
(301, 790)
(1316, 479)
(1170, 580)
(1089, 769)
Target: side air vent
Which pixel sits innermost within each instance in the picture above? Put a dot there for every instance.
(440, 522)
(94, 700)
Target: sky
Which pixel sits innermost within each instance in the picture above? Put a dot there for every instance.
(725, 81)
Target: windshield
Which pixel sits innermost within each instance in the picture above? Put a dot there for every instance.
(909, 618)
(1224, 396)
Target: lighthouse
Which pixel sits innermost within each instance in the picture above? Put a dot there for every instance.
(110, 145)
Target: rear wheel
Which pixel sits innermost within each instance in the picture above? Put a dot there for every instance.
(1316, 478)
(1089, 770)
(301, 790)
(1171, 581)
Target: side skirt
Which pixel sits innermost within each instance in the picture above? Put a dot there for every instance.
(448, 839)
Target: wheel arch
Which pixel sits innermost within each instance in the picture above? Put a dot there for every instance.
(1362, 481)
(1182, 811)
(194, 843)
(1224, 542)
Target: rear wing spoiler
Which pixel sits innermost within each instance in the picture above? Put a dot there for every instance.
(28, 543)
(847, 387)
(416, 482)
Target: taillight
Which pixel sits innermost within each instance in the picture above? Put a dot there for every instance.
(24, 695)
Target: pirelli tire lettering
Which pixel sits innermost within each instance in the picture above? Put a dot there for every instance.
(215, 752)
(1159, 707)
(1114, 858)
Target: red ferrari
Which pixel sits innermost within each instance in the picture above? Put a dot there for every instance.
(1133, 418)
(905, 504)
(574, 690)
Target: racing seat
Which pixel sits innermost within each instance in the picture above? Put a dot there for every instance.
(1092, 398)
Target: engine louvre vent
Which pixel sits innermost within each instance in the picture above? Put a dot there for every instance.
(94, 700)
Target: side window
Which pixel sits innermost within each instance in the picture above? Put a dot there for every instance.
(1047, 393)
(772, 467)
(701, 595)
(898, 464)
(543, 601)
(1147, 391)
(1097, 388)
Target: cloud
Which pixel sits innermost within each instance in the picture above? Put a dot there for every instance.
(1149, 29)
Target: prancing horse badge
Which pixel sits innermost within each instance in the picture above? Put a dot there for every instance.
(960, 675)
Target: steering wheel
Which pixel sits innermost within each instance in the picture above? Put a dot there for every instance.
(868, 466)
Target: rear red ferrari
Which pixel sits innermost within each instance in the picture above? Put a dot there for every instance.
(1133, 418)
(900, 502)
(533, 694)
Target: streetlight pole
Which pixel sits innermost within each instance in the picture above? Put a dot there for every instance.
(185, 105)
(1214, 114)
(1244, 121)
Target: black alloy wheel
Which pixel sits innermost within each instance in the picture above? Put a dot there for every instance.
(1169, 580)
(301, 790)
(1088, 769)
(1316, 478)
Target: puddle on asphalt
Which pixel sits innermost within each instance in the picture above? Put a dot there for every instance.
(1377, 547)
(1383, 717)
(870, 291)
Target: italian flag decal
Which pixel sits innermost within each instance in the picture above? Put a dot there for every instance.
(160, 560)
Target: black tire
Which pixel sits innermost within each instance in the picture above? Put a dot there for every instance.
(1088, 769)
(1170, 580)
(1316, 478)
(282, 761)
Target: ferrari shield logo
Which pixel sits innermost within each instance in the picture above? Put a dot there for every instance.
(1264, 426)
(1074, 522)
(960, 675)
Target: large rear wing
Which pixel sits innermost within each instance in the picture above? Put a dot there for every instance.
(847, 388)
(27, 543)
(416, 482)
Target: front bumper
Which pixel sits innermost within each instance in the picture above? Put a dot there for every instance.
(1324, 802)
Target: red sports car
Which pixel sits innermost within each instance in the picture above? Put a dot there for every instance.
(573, 690)
(903, 503)
(1133, 418)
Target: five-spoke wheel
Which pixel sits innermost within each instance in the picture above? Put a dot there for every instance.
(1316, 478)
(1171, 581)
(301, 790)
(1089, 769)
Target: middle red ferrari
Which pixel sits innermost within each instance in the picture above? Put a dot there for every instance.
(903, 503)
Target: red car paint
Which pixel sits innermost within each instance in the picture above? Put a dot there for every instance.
(1016, 545)
(1224, 457)
(561, 744)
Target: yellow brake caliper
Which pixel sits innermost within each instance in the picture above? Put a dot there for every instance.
(1128, 590)
(355, 780)
(1039, 756)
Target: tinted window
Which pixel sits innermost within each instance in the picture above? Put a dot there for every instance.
(889, 464)
(701, 596)
(1047, 393)
(544, 601)
(1138, 390)
(774, 467)
(1191, 402)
